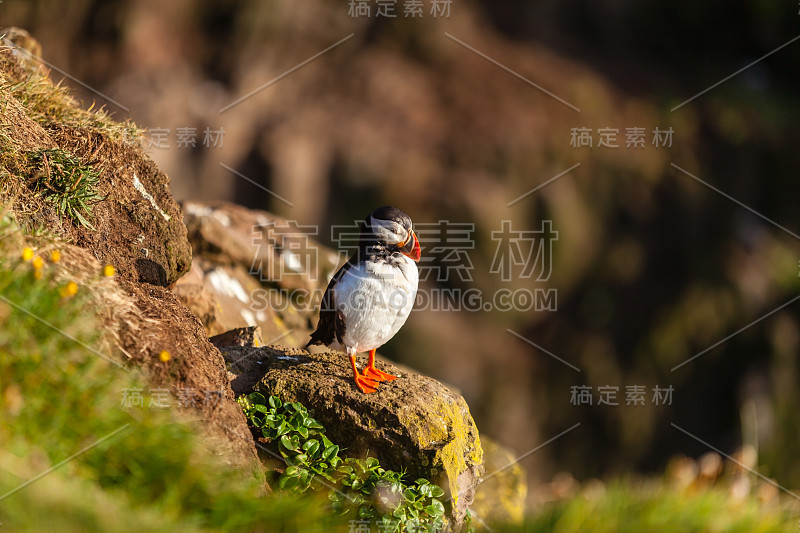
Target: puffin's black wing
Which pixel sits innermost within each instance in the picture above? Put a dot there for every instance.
(331, 321)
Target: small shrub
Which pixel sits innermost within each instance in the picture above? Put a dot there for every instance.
(71, 187)
(357, 488)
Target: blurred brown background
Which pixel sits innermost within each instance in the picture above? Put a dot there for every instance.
(650, 267)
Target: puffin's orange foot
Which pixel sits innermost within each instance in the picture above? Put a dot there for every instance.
(378, 375)
(365, 384)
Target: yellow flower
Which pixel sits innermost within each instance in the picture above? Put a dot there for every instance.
(27, 254)
(37, 274)
(55, 256)
(164, 356)
(38, 262)
(108, 271)
(70, 289)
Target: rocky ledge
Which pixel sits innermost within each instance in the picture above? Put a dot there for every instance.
(414, 423)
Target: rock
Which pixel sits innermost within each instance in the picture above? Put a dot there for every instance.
(261, 269)
(238, 337)
(414, 423)
(139, 224)
(500, 498)
(195, 373)
(276, 251)
(201, 303)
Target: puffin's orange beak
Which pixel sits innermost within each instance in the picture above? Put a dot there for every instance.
(411, 248)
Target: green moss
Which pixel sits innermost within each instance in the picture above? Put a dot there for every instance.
(449, 425)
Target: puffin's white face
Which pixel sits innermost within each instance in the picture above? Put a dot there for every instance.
(389, 231)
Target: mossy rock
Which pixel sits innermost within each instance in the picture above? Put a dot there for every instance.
(414, 423)
(501, 497)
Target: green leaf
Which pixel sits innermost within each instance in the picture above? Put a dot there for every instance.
(303, 431)
(326, 473)
(261, 408)
(287, 482)
(292, 471)
(372, 463)
(274, 401)
(435, 508)
(311, 447)
(287, 443)
(329, 452)
(257, 398)
(410, 495)
(437, 491)
(422, 481)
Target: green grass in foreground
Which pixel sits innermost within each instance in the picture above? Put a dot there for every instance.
(58, 397)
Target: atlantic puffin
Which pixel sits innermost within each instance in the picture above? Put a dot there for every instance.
(370, 297)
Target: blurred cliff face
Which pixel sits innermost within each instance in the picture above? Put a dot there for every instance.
(650, 266)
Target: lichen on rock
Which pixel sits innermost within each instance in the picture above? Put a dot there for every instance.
(414, 423)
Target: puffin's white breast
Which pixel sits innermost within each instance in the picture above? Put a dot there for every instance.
(376, 298)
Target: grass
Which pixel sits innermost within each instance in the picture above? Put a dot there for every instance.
(38, 114)
(58, 396)
(630, 506)
(46, 102)
(62, 180)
